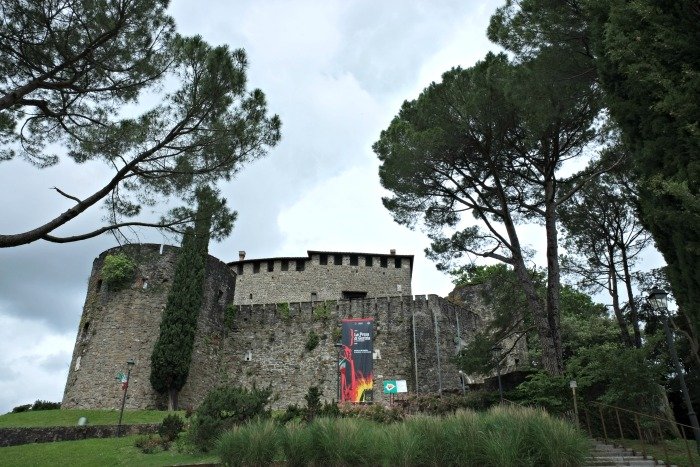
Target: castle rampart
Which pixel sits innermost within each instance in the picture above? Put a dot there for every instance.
(322, 276)
(416, 338)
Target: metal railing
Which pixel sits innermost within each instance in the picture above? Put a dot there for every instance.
(607, 421)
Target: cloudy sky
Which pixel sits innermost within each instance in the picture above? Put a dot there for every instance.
(336, 72)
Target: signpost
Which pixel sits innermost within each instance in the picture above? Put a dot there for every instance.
(394, 386)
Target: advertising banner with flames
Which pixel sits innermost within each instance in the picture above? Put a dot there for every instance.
(355, 360)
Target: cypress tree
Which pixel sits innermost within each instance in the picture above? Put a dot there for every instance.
(172, 353)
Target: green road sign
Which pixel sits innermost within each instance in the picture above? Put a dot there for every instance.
(390, 387)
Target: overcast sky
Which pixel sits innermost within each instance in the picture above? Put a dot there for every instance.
(336, 72)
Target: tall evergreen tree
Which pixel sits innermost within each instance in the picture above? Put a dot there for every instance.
(172, 353)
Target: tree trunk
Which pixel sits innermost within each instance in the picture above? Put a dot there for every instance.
(553, 305)
(630, 298)
(172, 399)
(614, 294)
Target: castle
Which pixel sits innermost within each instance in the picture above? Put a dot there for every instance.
(256, 321)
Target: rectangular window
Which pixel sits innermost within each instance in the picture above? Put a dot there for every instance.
(285, 265)
(353, 260)
(368, 261)
(270, 266)
(240, 269)
(300, 264)
(383, 262)
(397, 263)
(256, 268)
(337, 259)
(323, 259)
(314, 296)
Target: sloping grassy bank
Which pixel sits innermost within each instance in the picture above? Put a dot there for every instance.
(60, 417)
(503, 436)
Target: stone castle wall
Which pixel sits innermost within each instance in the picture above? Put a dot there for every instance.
(264, 345)
(306, 279)
(120, 325)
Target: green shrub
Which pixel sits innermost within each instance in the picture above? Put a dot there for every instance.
(374, 412)
(230, 316)
(46, 405)
(313, 402)
(170, 427)
(225, 407)
(283, 310)
(118, 270)
(22, 408)
(256, 443)
(151, 444)
(312, 341)
(322, 312)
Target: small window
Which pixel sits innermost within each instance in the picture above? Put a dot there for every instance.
(85, 329)
(353, 260)
(323, 259)
(285, 265)
(249, 356)
(397, 263)
(221, 296)
(300, 264)
(99, 285)
(337, 259)
(383, 262)
(240, 269)
(144, 283)
(270, 266)
(314, 296)
(368, 261)
(256, 268)
(251, 296)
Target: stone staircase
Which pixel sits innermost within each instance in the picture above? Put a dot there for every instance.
(605, 455)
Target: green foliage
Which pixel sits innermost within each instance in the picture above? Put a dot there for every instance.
(501, 436)
(172, 353)
(151, 444)
(337, 334)
(38, 405)
(223, 408)
(198, 132)
(22, 408)
(118, 270)
(312, 341)
(230, 316)
(313, 402)
(283, 310)
(322, 312)
(253, 444)
(171, 427)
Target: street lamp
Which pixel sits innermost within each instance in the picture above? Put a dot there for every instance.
(497, 349)
(658, 300)
(129, 363)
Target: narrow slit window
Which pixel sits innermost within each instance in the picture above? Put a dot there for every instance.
(353, 260)
(323, 259)
(368, 261)
(256, 268)
(240, 269)
(397, 263)
(383, 262)
(270, 266)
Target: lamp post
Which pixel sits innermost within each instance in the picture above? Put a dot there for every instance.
(497, 349)
(129, 364)
(573, 385)
(338, 346)
(657, 299)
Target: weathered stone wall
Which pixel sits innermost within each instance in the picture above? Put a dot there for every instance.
(120, 325)
(415, 338)
(320, 281)
(24, 435)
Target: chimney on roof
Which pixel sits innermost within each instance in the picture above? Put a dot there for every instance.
(392, 252)
(241, 255)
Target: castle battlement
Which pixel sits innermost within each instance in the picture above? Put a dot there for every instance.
(261, 340)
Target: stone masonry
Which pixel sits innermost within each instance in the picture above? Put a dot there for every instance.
(321, 276)
(264, 344)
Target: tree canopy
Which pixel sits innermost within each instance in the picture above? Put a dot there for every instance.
(68, 72)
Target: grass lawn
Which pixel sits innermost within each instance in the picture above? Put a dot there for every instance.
(677, 453)
(91, 452)
(61, 417)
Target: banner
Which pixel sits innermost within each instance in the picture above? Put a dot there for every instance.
(355, 360)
